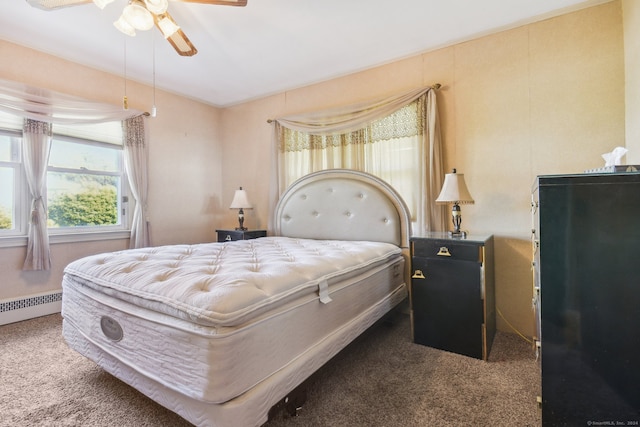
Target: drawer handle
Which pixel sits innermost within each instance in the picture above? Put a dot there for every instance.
(228, 238)
(444, 251)
(418, 274)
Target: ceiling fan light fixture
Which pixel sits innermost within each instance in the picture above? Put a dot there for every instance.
(156, 6)
(167, 26)
(102, 3)
(138, 16)
(124, 26)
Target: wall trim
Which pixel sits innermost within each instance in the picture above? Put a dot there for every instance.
(29, 307)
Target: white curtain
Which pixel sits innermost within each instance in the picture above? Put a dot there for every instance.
(351, 118)
(434, 214)
(49, 107)
(36, 139)
(404, 128)
(136, 158)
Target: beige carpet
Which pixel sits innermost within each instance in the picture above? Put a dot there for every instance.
(382, 379)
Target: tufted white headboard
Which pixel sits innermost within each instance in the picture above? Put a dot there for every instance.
(343, 204)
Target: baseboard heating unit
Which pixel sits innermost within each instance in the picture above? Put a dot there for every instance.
(29, 307)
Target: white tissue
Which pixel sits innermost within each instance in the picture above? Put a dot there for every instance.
(613, 158)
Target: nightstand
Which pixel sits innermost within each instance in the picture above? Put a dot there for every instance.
(228, 235)
(452, 293)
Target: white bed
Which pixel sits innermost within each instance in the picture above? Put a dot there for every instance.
(220, 333)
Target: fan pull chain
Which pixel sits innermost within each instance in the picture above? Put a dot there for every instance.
(125, 100)
(153, 41)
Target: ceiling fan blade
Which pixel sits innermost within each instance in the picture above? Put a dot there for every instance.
(178, 39)
(56, 4)
(182, 44)
(240, 3)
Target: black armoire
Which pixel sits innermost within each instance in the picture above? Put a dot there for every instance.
(587, 270)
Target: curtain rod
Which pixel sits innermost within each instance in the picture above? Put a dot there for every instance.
(435, 87)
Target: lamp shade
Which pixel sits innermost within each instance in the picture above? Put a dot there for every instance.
(454, 190)
(102, 3)
(240, 200)
(125, 27)
(157, 6)
(138, 16)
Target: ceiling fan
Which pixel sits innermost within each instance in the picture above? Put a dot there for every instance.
(142, 15)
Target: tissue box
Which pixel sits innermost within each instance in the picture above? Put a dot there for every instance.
(614, 169)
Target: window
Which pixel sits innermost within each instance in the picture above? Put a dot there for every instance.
(84, 185)
(87, 189)
(390, 148)
(11, 182)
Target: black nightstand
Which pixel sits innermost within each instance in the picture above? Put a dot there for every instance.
(228, 235)
(452, 293)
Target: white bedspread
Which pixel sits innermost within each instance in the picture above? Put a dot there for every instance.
(223, 284)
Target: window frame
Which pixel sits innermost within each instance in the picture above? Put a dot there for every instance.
(22, 200)
(122, 196)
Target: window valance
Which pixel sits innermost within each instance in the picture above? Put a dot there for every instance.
(53, 107)
(407, 121)
(350, 118)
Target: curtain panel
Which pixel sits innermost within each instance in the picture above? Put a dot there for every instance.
(346, 133)
(36, 137)
(136, 160)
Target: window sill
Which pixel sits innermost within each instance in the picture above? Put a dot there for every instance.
(15, 241)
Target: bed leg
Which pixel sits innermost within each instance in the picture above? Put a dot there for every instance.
(293, 403)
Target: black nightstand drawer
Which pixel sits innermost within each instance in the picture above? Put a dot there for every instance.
(446, 249)
(229, 235)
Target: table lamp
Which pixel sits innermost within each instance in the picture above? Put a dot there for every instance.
(454, 191)
(240, 201)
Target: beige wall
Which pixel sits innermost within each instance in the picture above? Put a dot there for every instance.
(542, 98)
(548, 97)
(631, 9)
(185, 170)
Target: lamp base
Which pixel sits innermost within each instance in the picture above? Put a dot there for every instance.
(459, 234)
(241, 226)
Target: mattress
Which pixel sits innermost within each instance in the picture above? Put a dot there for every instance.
(212, 321)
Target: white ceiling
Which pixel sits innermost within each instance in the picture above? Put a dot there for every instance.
(268, 46)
